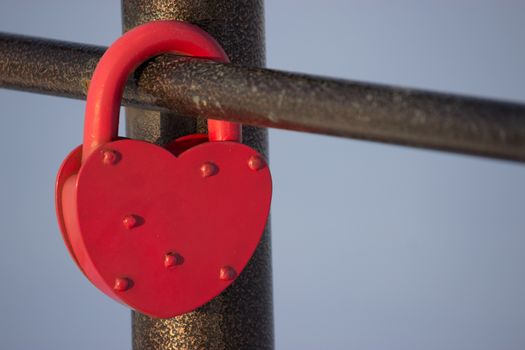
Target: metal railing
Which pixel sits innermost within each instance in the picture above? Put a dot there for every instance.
(172, 87)
(270, 98)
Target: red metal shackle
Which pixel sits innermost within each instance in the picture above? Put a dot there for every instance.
(160, 229)
(128, 52)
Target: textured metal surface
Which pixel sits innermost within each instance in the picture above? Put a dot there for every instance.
(242, 316)
(269, 98)
(47, 66)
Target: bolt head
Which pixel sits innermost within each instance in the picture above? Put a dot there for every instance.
(122, 284)
(256, 163)
(208, 169)
(110, 157)
(173, 259)
(227, 273)
(130, 221)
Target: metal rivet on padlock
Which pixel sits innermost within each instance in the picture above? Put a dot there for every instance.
(173, 259)
(227, 273)
(256, 163)
(110, 157)
(208, 169)
(122, 284)
(130, 221)
(162, 230)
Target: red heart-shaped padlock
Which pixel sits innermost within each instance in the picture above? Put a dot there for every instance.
(160, 231)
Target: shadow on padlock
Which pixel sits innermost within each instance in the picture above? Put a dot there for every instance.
(162, 230)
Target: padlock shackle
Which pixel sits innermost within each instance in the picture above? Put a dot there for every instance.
(124, 56)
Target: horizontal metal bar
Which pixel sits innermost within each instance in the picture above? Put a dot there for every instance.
(269, 98)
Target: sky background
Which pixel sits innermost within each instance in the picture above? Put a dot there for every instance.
(374, 246)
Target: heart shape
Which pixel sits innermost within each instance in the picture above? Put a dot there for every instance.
(166, 234)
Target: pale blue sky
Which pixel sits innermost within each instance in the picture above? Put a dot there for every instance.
(375, 246)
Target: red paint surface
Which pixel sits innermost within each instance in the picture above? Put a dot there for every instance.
(126, 54)
(142, 222)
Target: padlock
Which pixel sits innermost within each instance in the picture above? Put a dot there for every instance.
(162, 230)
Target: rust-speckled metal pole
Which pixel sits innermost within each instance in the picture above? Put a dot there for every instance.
(241, 317)
(269, 98)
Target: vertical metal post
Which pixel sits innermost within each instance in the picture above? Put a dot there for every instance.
(242, 316)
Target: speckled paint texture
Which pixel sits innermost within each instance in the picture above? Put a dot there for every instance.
(268, 98)
(241, 317)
